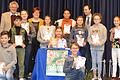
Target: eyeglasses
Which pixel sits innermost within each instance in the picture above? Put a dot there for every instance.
(17, 19)
(96, 19)
(74, 48)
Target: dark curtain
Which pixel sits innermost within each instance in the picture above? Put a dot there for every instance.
(54, 8)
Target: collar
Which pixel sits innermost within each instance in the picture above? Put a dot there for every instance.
(13, 14)
(90, 16)
(66, 20)
(5, 45)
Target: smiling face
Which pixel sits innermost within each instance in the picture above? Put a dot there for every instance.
(13, 8)
(4, 39)
(96, 19)
(58, 33)
(74, 49)
(66, 14)
(47, 20)
(86, 10)
(24, 15)
(117, 21)
(17, 22)
(36, 14)
(80, 21)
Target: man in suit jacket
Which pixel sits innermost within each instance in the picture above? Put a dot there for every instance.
(88, 23)
(7, 18)
(88, 15)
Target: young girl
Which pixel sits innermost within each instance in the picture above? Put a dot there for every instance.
(97, 35)
(66, 23)
(74, 66)
(58, 41)
(79, 34)
(46, 32)
(30, 33)
(115, 38)
(7, 57)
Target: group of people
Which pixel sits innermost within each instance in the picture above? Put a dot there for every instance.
(21, 37)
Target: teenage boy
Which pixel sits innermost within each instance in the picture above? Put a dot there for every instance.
(8, 57)
(19, 40)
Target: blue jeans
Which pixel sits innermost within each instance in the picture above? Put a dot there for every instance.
(97, 60)
(8, 75)
(78, 74)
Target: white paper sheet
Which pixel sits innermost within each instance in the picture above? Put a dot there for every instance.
(117, 33)
(95, 38)
(47, 36)
(67, 29)
(80, 62)
(61, 43)
(2, 64)
(18, 40)
(80, 41)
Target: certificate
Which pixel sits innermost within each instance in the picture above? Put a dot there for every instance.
(2, 64)
(47, 36)
(18, 40)
(80, 62)
(80, 40)
(95, 38)
(66, 29)
(61, 43)
(117, 33)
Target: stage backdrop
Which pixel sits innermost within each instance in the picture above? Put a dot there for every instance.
(54, 8)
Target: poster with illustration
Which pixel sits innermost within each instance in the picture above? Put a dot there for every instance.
(55, 62)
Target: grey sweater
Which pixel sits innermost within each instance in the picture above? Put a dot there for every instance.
(41, 35)
(8, 55)
(101, 30)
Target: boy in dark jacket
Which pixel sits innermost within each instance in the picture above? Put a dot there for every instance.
(19, 40)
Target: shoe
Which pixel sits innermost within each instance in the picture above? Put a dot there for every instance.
(113, 78)
(29, 75)
(94, 78)
(21, 79)
(99, 78)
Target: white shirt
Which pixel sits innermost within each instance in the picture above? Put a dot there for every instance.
(90, 20)
(14, 14)
(26, 25)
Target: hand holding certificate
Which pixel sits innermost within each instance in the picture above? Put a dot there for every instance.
(47, 37)
(80, 41)
(80, 62)
(95, 39)
(18, 40)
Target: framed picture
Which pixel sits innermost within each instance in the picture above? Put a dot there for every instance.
(55, 62)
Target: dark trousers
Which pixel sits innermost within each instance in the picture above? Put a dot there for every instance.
(27, 58)
(88, 57)
(34, 48)
(67, 37)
